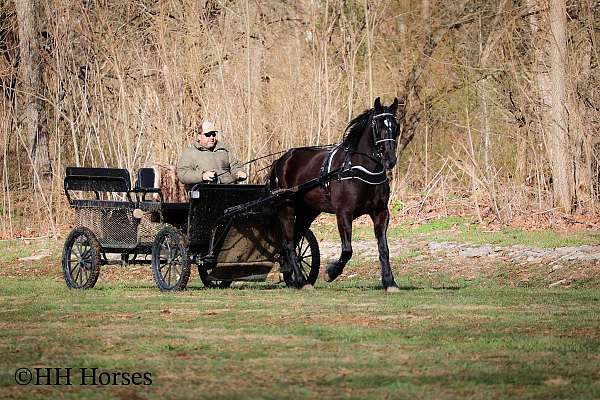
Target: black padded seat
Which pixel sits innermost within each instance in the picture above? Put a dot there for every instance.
(97, 179)
(146, 178)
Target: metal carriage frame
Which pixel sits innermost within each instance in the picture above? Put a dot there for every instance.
(230, 232)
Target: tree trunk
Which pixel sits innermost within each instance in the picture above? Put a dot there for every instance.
(34, 114)
(559, 149)
(551, 81)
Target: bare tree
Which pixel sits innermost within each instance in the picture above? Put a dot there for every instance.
(34, 115)
(550, 77)
(128, 79)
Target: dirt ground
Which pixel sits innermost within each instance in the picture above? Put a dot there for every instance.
(413, 259)
(514, 265)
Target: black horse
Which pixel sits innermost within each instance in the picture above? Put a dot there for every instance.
(351, 180)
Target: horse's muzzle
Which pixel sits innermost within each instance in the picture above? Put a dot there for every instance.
(390, 162)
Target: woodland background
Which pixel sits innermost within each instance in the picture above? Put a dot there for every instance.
(502, 98)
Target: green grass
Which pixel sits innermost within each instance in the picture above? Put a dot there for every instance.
(516, 236)
(12, 250)
(348, 339)
(445, 336)
(460, 229)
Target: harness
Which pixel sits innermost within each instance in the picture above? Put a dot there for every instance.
(349, 171)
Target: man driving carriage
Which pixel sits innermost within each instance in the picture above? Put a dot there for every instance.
(207, 160)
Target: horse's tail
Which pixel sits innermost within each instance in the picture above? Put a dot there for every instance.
(275, 173)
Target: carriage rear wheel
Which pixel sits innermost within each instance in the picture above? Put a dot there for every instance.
(170, 260)
(210, 282)
(309, 258)
(81, 259)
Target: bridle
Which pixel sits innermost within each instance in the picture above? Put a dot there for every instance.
(386, 116)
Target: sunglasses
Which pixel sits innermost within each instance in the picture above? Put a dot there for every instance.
(210, 134)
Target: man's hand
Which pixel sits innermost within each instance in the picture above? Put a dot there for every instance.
(241, 176)
(208, 175)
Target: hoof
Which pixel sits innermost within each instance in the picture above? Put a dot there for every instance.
(332, 271)
(308, 286)
(392, 289)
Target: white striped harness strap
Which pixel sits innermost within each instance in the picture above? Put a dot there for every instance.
(349, 171)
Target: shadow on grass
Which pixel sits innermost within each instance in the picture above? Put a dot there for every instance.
(344, 287)
(111, 287)
(318, 287)
(242, 286)
(365, 288)
(368, 286)
(447, 287)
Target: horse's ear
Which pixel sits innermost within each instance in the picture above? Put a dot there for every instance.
(394, 106)
(377, 104)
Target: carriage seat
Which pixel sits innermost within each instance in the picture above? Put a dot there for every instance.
(163, 177)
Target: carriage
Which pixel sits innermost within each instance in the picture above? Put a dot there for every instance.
(230, 232)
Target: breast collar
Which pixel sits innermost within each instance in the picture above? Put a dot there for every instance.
(349, 171)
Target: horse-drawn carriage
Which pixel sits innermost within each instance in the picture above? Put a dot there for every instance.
(240, 232)
(230, 232)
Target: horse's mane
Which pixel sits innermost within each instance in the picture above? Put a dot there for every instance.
(355, 129)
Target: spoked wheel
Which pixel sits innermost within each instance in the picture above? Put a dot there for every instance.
(309, 258)
(81, 259)
(210, 282)
(170, 260)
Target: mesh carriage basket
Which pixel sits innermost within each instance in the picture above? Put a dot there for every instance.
(114, 225)
(112, 221)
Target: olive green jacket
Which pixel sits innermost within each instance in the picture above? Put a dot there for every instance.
(195, 160)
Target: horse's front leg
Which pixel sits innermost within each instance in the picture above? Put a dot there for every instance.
(334, 269)
(380, 223)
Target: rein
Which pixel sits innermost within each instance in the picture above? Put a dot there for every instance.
(324, 146)
(216, 178)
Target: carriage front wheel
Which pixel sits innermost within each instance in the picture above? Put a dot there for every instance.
(309, 258)
(81, 259)
(170, 260)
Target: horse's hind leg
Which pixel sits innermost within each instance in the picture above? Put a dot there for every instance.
(334, 269)
(304, 218)
(288, 251)
(380, 222)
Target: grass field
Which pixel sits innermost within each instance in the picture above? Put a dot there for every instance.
(443, 336)
(344, 340)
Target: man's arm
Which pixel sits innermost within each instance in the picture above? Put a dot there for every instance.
(231, 174)
(236, 168)
(186, 168)
(234, 164)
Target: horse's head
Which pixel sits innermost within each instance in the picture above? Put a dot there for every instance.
(385, 132)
